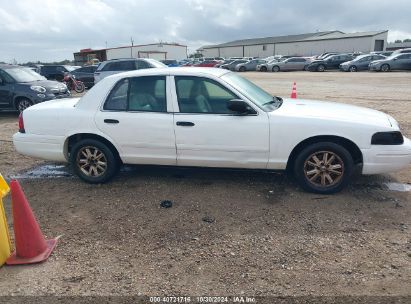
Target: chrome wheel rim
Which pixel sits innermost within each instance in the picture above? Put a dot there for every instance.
(23, 104)
(321, 68)
(385, 68)
(91, 161)
(353, 69)
(324, 169)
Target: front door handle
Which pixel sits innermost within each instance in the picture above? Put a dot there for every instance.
(185, 123)
(111, 121)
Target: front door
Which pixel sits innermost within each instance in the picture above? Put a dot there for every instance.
(6, 90)
(136, 118)
(209, 134)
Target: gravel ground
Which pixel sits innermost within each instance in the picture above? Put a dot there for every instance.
(227, 233)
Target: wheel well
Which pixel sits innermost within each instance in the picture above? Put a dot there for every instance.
(275, 66)
(346, 143)
(18, 98)
(77, 137)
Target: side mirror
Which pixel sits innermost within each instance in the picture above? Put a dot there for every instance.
(396, 58)
(1, 82)
(240, 107)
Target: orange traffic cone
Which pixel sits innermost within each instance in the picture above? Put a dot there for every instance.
(294, 91)
(31, 246)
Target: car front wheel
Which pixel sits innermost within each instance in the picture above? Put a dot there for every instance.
(353, 68)
(321, 68)
(385, 68)
(23, 104)
(323, 168)
(93, 161)
(276, 68)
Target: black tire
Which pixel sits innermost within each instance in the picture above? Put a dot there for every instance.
(77, 157)
(276, 68)
(385, 68)
(305, 68)
(353, 68)
(263, 69)
(242, 69)
(79, 87)
(23, 103)
(312, 175)
(321, 68)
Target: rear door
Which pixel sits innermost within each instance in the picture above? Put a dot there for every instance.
(209, 134)
(136, 117)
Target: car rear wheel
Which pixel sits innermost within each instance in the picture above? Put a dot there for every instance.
(242, 69)
(93, 161)
(323, 168)
(385, 68)
(353, 68)
(321, 68)
(305, 68)
(276, 68)
(23, 104)
(263, 69)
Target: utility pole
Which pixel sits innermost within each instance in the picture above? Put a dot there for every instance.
(131, 48)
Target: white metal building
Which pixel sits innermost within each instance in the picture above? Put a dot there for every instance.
(159, 51)
(300, 45)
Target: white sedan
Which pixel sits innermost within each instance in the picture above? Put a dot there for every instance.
(210, 118)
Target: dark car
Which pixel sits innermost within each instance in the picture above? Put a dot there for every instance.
(360, 63)
(55, 72)
(330, 63)
(170, 62)
(85, 74)
(21, 87)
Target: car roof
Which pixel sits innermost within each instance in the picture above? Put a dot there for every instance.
(10, 66)
(173, 71)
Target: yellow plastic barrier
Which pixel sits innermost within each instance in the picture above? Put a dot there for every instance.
(5, 246)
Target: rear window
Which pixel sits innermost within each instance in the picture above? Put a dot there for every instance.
(120, 66)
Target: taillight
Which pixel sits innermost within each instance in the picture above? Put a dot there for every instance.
(21, 123)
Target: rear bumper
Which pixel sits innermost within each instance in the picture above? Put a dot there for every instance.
(40, 146)
(383, 159)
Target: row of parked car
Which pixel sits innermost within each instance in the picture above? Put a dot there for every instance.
(352, 62)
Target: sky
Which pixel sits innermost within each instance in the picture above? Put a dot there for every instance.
(52, 30)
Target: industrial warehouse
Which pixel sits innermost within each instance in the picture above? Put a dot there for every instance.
(158, 51)
(300, 45)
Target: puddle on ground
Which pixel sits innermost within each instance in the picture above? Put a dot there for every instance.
(398, 187)
(44, 171)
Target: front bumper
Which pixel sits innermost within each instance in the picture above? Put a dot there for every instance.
(374, 67)
(344, 68)
(383, 159)
(40, 146)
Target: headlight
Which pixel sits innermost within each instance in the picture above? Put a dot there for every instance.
(39, 89)
(387, 138)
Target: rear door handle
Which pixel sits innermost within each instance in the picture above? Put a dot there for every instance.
(185, 123)
(111, 121)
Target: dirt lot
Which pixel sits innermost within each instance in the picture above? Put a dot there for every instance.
(228, 232)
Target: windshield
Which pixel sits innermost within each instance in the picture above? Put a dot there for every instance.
(252, 91)
(24, 75)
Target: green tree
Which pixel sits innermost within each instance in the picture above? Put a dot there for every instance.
(407, 40)
(398, 41)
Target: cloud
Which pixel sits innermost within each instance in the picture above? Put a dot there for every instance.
(51, 30)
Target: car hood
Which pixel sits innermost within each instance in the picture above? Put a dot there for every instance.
(333, 111)
(48, 84)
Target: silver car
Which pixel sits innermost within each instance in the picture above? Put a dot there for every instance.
(264, 66)
(394, 62)
(290, 64)
(115, 66)
(249, 66)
